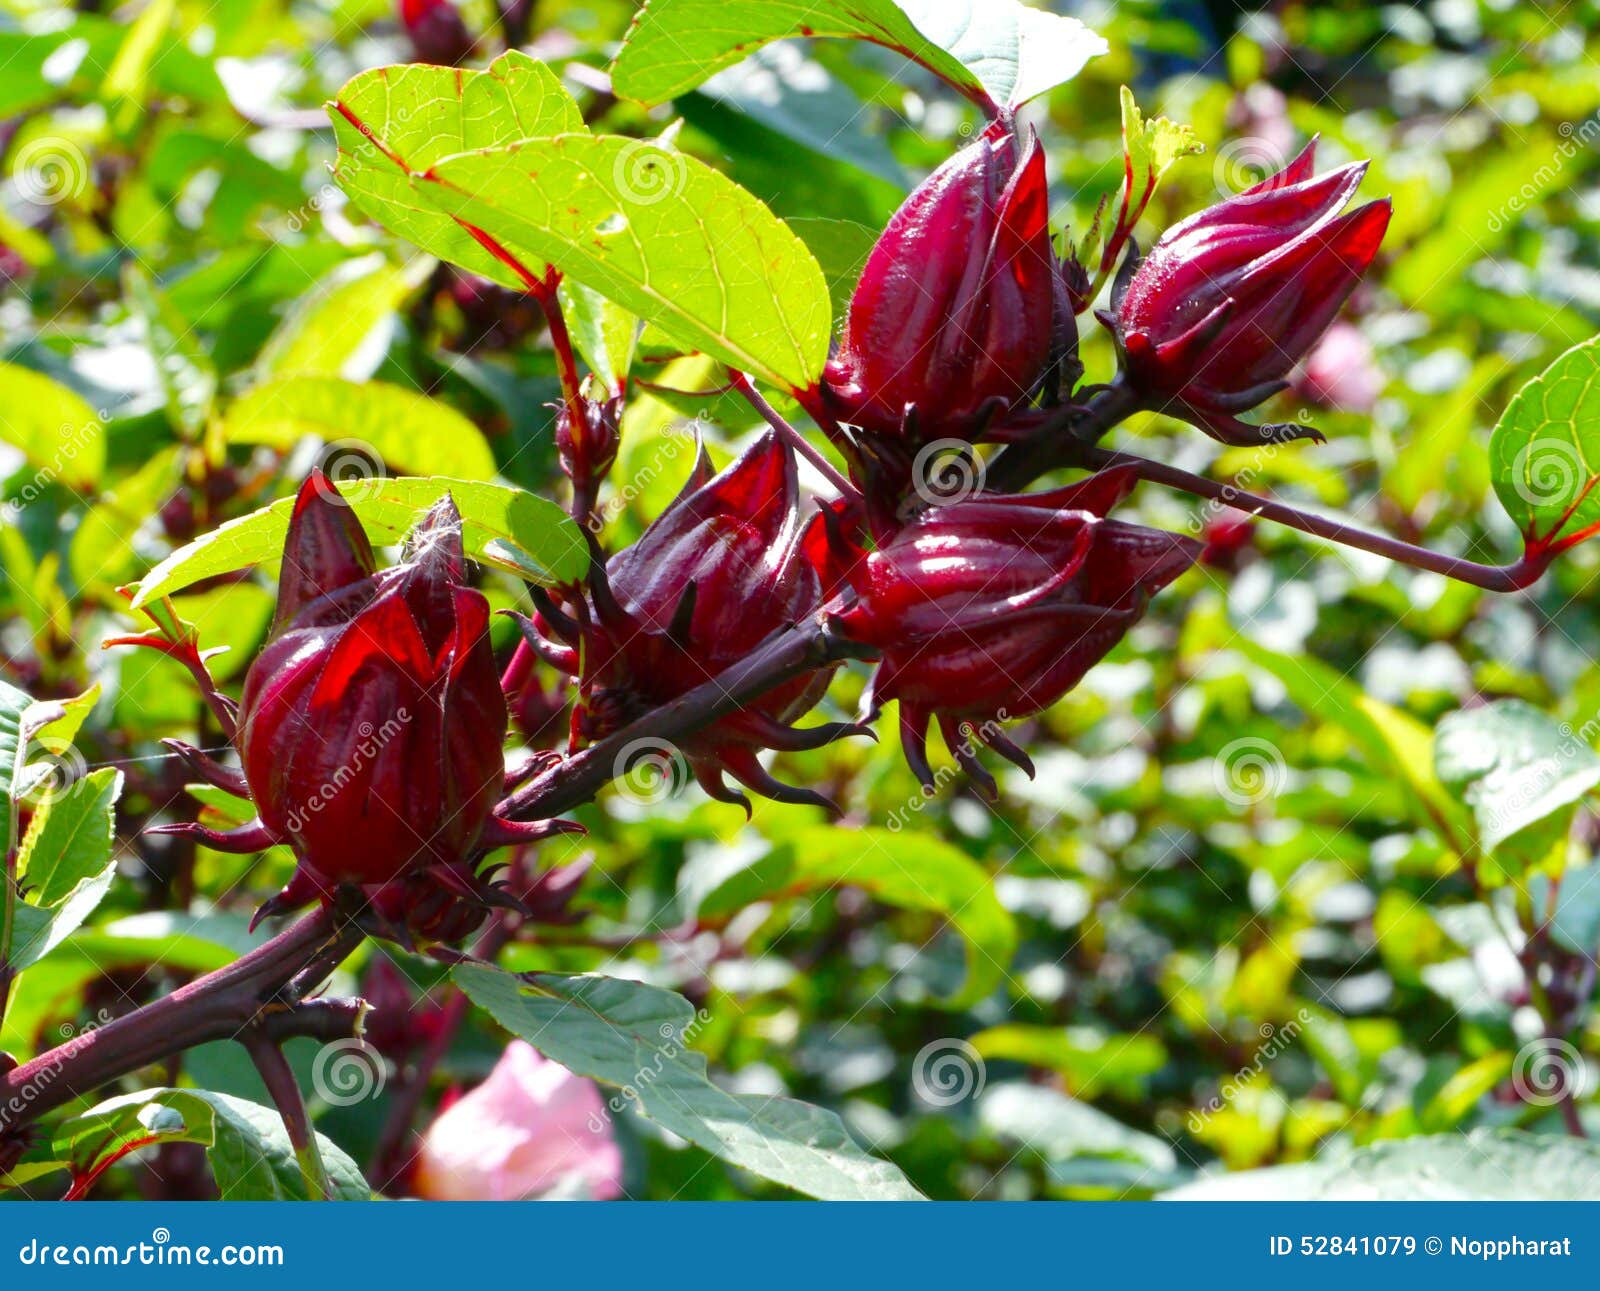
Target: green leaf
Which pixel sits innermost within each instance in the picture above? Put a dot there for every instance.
(103, 554)
(1468, 1086)
(509, 528)
(53, 427)
(250, 1153)
(188, 376)
(661, 234)
(37, 930)
(632, 1037)
(407, 431)
(1544, 455)
(1080, 1144)
(14, 704)
(340, 327)
(69, 839)
(129, 74)
(72, 883)
(912, 871)
(1398, 744)
(1484, 1165)
(802, 102)
(996, 52)
(1090, 1060)
(1522, 773)
(1149, 148)
(393, 123)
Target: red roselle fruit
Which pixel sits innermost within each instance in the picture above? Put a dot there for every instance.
(992, 608)
(951, 322)
(1215, 318)
(371, 724)
(720, 570)
(437, 32)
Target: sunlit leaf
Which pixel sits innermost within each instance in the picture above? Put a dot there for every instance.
(341, 326)
(662, 234)
(547, 545)
(249, 1151)
(407, 431)
(393, 123)
(55, 429)
(1522, 773)
(994, 51)
(909, 870)
(1545, 451)
(1484, 1165)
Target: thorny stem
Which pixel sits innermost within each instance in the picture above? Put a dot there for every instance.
(265, 988)
(285, 1092)
(785, 654)
(791, 436)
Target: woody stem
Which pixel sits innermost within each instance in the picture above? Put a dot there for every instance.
(265, 989)
(284, 1090)
(787, 653)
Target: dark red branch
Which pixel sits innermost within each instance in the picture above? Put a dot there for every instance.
(264, 988)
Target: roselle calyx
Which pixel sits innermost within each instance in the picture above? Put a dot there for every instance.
(1214, 319)
(950, 325)
(990, 609)
(370, 727)
(721, 569)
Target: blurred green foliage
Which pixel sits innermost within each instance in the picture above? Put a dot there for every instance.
(1239, 919)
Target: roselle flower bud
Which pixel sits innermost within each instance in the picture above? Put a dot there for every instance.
(720, 570)
(588, 447)
(438, 34)
(371, 725)
(992, 608)
(1214, 319)
(951, 322)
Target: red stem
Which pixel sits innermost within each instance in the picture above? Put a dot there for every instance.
(791, 436)
(1495, 578)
